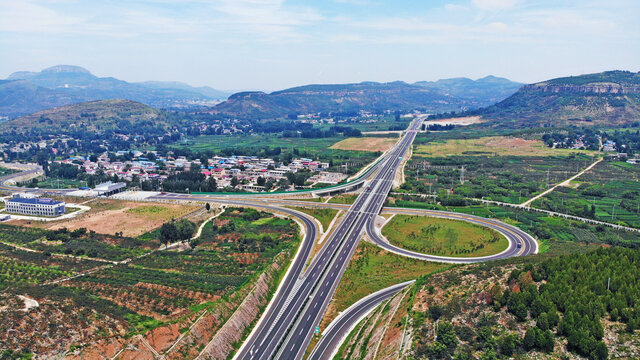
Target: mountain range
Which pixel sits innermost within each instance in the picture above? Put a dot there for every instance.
(610, 98)
(26, 92)
(434, 97)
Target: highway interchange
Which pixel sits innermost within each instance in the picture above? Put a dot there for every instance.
(287, 326)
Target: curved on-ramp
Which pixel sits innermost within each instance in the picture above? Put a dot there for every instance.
(342, 325)
(520, 243)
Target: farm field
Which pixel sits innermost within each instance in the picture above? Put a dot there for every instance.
(270, 145)
(372, 269)
(512, 179)
(443, 237)
(491, 145)
(129, 219)
(609, 192)
(158, 296)
(220, 142)
(366, 143)
(323, 215)
(20, 267)
(78, 243)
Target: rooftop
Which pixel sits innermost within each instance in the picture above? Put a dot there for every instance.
(41, 201)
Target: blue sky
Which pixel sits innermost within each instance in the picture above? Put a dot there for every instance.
(273, 44)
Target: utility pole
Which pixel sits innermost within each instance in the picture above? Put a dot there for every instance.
(613, 212)
(462, 175)
(547, 179)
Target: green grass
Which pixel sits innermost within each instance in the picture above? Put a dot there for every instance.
(325, 216)
(343, 199)
(372, 269)
(443, 237)
(317, 149)
(219, 142)
(52, 183)
(541, 226)
(610, 192)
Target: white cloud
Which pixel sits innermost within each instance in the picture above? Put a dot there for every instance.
(353, 2)
(497, 27)
(493, 5)
(455, 7)
(25, 16)
(266, 18)
(346, 38)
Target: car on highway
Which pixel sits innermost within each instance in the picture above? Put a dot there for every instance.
(519, 245)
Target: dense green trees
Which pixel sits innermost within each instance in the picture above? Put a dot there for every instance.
(173, 231)
(584, 288)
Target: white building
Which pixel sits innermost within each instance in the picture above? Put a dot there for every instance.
(34, 206)
(109, 188)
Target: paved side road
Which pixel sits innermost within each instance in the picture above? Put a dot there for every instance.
(342, 325)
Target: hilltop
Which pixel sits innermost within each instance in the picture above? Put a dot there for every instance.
(609, 98)
(25, 92)
(443, 95)
(482, 92)
(93, 116)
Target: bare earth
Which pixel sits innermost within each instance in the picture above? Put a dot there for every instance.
(492, 145)
(462, 121)
(130, 218)
(365, 144)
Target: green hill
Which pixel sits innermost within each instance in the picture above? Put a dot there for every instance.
(610, 98)
(343, 98)
(92, 116)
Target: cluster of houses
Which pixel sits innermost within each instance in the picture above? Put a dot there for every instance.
(223, 169)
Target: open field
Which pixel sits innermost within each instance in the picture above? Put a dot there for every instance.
(52, 183)
(343, 199)
(512, 179)
(220, 142)
(372, 269)
(443, 236)
(113, 216)
(609, 192)
(323, 215)
(20, 267)
(270, 145)
(78, 243)
(492, 145)
(365, 144)
(460, 121)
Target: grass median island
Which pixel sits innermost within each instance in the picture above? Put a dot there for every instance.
(325, 216)
(372, 269)
(443, 237)
(343, 199)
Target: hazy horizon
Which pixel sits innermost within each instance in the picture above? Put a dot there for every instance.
(274, 44)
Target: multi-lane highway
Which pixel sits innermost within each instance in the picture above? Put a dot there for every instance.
(348, 319)
(287, 326)
(292, 336)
